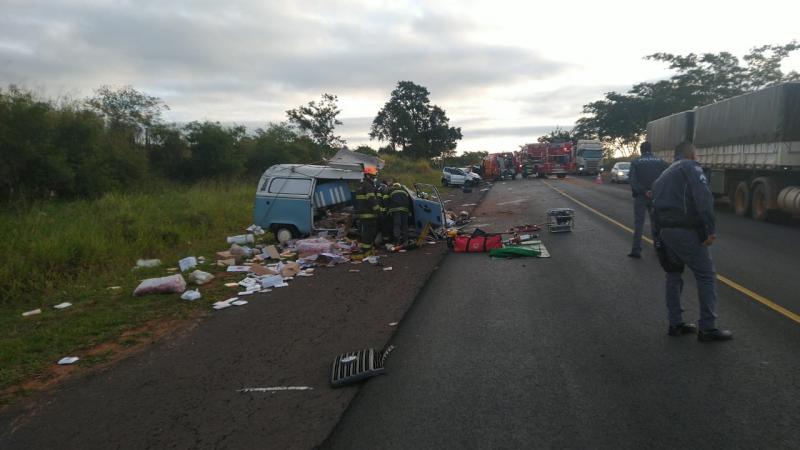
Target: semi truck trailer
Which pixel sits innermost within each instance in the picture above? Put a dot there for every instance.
(749, 145)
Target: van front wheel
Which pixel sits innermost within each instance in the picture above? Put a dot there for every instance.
(285, 233)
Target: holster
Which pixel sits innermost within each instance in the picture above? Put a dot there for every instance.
(668, 263)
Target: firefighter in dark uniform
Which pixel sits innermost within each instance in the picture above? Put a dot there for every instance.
(684, 230)
(385, 219)
(367, 209)
(644, 171)
(399, 211)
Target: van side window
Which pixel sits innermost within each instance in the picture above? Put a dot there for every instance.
(290, 186)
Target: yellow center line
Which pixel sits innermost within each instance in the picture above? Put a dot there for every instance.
(725, 280)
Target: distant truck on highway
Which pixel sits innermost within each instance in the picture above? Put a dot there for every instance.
(543, 159)
(588, 156)
(497, 166)
(750, 145)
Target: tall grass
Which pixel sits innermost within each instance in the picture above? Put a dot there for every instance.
(51, 246)
(74, 251)
(410, 171)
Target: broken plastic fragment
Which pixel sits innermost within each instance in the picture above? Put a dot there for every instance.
(386, 269)
(62, 305)
(239, 302)
(190, 262)
(32, 312)
(191, 295)
(231, 284)
(68, 360)
(148, 263)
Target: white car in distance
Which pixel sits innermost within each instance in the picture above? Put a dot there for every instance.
(619, 173)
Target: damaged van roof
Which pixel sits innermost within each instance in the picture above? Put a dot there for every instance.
(312, 171)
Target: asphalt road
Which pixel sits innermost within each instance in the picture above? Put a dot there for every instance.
(572, 351)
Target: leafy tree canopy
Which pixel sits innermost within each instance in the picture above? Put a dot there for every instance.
(409, 121)
(620, 120)
(319, 120)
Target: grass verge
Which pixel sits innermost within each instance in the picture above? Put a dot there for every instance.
(73, 252)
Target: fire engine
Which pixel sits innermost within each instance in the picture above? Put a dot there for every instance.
(543, 159)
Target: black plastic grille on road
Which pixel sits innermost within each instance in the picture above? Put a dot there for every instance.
(351, 367)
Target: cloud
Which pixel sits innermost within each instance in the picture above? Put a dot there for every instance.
(531, 132)
(250, 61)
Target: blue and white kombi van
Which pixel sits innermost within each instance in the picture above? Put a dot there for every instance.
(291, 196)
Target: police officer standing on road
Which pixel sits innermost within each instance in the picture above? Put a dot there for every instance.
(684, 231)
(644, 171)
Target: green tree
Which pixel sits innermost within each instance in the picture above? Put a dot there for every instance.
(366, 149)
(319, 120)
(127, 110)
(215, 149)
(559, 135)
(410, 122)
(620, 120)
(279, 144)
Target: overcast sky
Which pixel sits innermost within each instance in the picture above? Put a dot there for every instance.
(505, 72)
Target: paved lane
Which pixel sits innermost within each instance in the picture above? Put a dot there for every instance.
(763, 257)
(572, 352)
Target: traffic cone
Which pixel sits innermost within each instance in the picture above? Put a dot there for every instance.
(599, 179)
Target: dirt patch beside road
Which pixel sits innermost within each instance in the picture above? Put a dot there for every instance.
(185, 391)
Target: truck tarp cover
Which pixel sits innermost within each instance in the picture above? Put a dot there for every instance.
(769, 115)
(667, 132)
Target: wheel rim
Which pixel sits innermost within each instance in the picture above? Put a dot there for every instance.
(283, 235)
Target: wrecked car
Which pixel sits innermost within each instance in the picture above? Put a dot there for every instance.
(297, 200)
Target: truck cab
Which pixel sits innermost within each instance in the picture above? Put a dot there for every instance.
(588, 157)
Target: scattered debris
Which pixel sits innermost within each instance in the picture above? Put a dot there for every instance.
(190, 262)
(239, 302)
(63, 305)
(255, 229)
(393, 324)
(238, 268)
(199, 277)
(142, 263)
(260, 270)
(277, 388)
(352, 367)
(560, 220)
(32, 312)
(271, 281)
(224, 304)
(231, 284)
(387, 269)
(272, 252)
(241, 239)
(191, 295)
(114, 288)
(163, 285)
(354, 271)
(67, 360)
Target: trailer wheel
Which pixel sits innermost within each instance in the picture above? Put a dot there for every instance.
(741, 199)
(764, 198)
(561, 175)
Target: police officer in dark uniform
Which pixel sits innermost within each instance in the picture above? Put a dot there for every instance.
(644, 171)
(684, 230)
